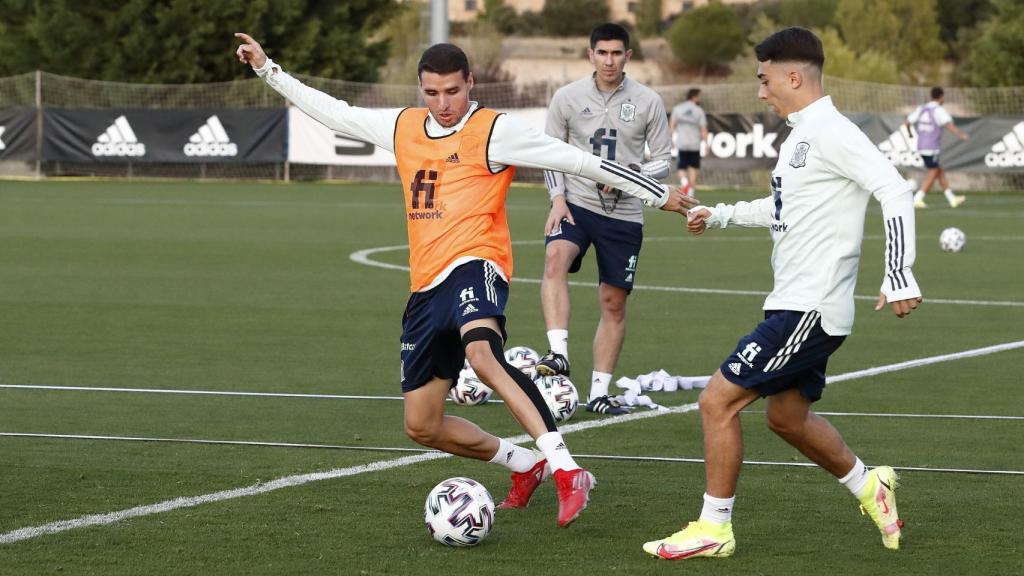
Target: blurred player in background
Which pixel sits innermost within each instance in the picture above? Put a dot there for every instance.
(689, 124)
(928, 121)
(610, 116)
(826, 172)
(456, 159)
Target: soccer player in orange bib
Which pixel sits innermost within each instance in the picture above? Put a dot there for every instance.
(456, 160)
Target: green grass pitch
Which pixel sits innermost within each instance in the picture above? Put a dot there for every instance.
(250, 288)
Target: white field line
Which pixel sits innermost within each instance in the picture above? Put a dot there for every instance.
(198, 392)
(926, 361)
(289, 481)
(300, 479)
(831, 379)
(905, 415)
(796, 464)
(363, 257)
(430, 451)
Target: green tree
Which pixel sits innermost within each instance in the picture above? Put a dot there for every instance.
(762, 28)
(648, 18)
(996, 58)
(842, 62)
(190, 40)
(906, 30)
(708, 36)
(573, 17)
(501, 15)
(808, 13)
(958, 15)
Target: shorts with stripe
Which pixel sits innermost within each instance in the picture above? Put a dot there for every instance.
(616, 243)
(431, 344)
(787, 350)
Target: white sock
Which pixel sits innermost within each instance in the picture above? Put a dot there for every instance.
(919, 195)
(515, 458)
(949, 194)
(856, 479)
(599, 385)
(717, 510)
(558, 341)
(553, 447)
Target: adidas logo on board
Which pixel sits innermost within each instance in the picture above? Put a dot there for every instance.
(118, 140)
(901, 148)
(211, 140)
(1008, 152)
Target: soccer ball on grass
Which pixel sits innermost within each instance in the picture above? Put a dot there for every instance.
(469, 390)
(459, 512)
(560, 395)
(952, 240)
(523, 358)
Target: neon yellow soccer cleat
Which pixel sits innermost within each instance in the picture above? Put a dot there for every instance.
(879, 502)
(956, 201)
(697, 539)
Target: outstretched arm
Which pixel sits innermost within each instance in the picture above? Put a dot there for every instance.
(516, 144)
(959, 133)
(754, 214)
(374, 126)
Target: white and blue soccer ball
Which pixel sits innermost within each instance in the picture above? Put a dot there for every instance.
(560, 396)
(459, 512)
(523, 358)
(469, 390)
(952, 240)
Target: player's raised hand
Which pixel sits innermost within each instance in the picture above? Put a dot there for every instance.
(679, 202)
(695, 220)
(250, 52)
(900, 308)
(559, 211)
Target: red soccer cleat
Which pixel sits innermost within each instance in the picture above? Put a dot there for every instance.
(573, 493)
(523, 485)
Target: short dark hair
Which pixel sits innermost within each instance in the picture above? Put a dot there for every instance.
(692, 92)
(937, 92)
(443, 59)
(794, 44)
(609, 31)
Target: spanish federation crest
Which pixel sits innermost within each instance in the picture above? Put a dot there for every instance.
(627, 112)
(799, 158)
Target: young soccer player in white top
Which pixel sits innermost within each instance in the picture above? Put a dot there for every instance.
(826, 172)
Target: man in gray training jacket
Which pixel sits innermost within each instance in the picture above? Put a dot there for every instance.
(615, 118)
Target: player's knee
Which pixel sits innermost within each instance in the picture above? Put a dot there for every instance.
(613, 306)
(556, 264)
(421, 431)
(710, 406)
(481, 358)
(717, 405)
(483, 347)
(782, 425)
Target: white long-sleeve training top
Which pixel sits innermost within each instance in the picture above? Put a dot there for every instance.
(826, 171)
(512, 143)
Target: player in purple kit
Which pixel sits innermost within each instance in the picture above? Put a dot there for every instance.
(928, 121)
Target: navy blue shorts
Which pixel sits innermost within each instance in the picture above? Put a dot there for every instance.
(616, 243)
(787, 350)
(689, 159)
(431, 343)
(930, 160)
